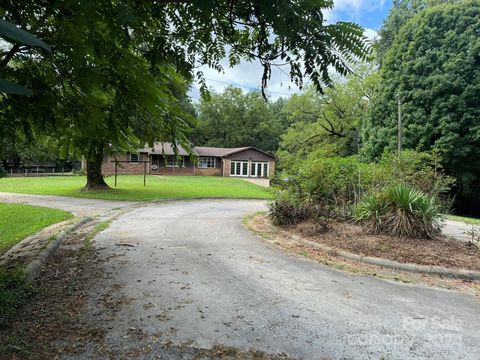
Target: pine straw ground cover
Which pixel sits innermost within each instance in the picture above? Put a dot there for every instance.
(261, 224)
(439, 251)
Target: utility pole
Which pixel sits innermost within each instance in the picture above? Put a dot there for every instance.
(399, 127)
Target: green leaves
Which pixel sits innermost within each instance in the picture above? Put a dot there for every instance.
(431, 61)
(400, 210)
(233, 119)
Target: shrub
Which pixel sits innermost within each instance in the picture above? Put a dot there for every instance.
(422, 170)
(288, 210)
(400, 210)
(3, 173)
(330, 187)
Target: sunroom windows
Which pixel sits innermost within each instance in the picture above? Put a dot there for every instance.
(206, 162)
(242, 168)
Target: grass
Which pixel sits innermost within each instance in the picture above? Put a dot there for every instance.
(464, 219)
(130, 187)
(87, 243)
(14, 293)
(17, 221)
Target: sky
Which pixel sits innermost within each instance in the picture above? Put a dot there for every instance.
(247, 76)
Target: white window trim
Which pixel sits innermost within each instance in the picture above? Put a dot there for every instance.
(207, 157)
(262, 173)
(241, 168)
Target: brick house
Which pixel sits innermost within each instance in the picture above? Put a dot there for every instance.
(211, 161)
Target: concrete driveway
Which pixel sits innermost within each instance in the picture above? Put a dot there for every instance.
(456, 229)
(77, 206)
(190, 273)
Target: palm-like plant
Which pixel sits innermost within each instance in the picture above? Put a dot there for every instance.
(400, 211)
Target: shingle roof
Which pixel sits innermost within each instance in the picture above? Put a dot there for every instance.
(167, 149)
(164, 148)
(216, 151)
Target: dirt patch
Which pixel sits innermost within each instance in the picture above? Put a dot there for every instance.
(440, 251)
(54, 313)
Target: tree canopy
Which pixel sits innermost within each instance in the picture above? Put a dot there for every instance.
(233, 118)
(329, 122)
(433, 66)
(119, 70)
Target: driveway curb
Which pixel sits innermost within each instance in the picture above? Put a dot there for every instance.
(203, 198)
(34, 268)
(408, 267)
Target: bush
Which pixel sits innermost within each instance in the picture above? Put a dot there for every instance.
(3, 173)
(330, 187)
(288, 210)
(421, 170)
(400, 210)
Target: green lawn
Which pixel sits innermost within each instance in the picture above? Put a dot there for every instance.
(468, 220)
(130, 187)
(17, 221)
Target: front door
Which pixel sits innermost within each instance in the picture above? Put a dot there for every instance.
(259, 169)
(239, 168)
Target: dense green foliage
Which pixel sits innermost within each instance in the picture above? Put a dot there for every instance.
(18, 151)
(400, 210)
(233, 119)
(329, 122)
(130, 187)
(118, 72)
(433, 65)
(17, 221)
(324, 187)
(400, 13)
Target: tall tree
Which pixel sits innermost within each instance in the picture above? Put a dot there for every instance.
(433, 67)
(233, 118)
(400, 13)
(115, 73)
(331, 121)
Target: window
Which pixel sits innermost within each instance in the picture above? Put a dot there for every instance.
(259, 169)
(239, 168)
(134, 158)
(245, 169)
(206, 162)
(172, 161)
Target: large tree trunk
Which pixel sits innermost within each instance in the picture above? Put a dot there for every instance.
(95, 179)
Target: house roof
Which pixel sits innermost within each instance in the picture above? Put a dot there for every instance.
(217, 151)
(167, 148)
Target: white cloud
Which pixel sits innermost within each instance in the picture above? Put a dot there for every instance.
(248, 75)
(371, 34)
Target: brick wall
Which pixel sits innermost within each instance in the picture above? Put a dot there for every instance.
(271, 169)
(226, 167)
(108, 167)
(172, 171)
(209, 172)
